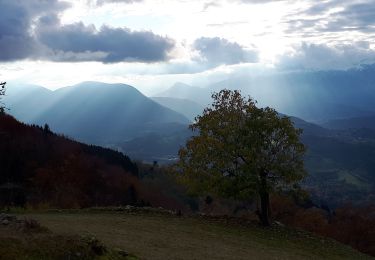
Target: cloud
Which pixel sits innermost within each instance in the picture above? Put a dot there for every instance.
(78, 42)
(16, 20)
(218, 51)
(225, 24)
(32, 30)
(335, 16)
(323, 57)
(260, 1)
(209, 5)
(359, 16)
(102, 2)
(321, 7)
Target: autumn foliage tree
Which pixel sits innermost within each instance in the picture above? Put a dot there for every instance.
(242, 151)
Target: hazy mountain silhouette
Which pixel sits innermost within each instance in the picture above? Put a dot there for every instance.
(185, 91)
(163, 146)
(188, 108)
(26, 102)
(351, 123)
(312, 95)
(96, 112)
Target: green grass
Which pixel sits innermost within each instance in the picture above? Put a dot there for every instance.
(163, 236)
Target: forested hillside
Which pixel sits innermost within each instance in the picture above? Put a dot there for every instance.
(42, 169)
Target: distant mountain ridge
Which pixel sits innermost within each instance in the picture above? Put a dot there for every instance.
(185, 91)
(351, 123)
(95, 112)
(186, 107)
(315, 96)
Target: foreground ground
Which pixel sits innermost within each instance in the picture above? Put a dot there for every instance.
(24, 238)
(164, 236)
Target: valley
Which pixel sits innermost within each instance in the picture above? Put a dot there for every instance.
(339, 161)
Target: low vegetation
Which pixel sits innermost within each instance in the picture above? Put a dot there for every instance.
(25, 238)
(159, 235)
(354, 226)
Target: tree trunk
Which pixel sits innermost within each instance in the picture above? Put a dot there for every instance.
(264, 200)
(264, 206)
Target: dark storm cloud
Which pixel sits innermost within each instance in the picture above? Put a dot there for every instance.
(217, 51)
(107, 44)
(16, 41)
(32, 30)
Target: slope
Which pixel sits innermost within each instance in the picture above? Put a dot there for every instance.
(98, 113)
(186, 107)
(161, 236)
(351, 123)
(26, 102)
(311, 95)
(184, 91)
(42, 169)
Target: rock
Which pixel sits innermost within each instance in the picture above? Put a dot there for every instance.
(121, 252)
(129, 207)
(277, 223)
(5, 222)
(10, 218)
(96, 246)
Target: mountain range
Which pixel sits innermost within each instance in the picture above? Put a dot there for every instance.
(340, 161)
(186, 107)
(93, 112)
(351, 123)
(315, 96)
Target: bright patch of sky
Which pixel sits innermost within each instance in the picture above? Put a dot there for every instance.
(193, 41)
(259, 25)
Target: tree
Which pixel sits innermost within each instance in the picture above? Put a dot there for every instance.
(242, 151)
(47, 129)
(2, 93)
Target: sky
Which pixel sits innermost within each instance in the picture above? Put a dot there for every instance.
(152, 44)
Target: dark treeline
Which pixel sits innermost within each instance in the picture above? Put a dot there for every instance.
(41, 169)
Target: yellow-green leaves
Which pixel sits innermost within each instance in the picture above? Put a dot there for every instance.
(236, 143)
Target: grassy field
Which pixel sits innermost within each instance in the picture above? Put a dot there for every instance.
(25, 239)
(163, 236)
